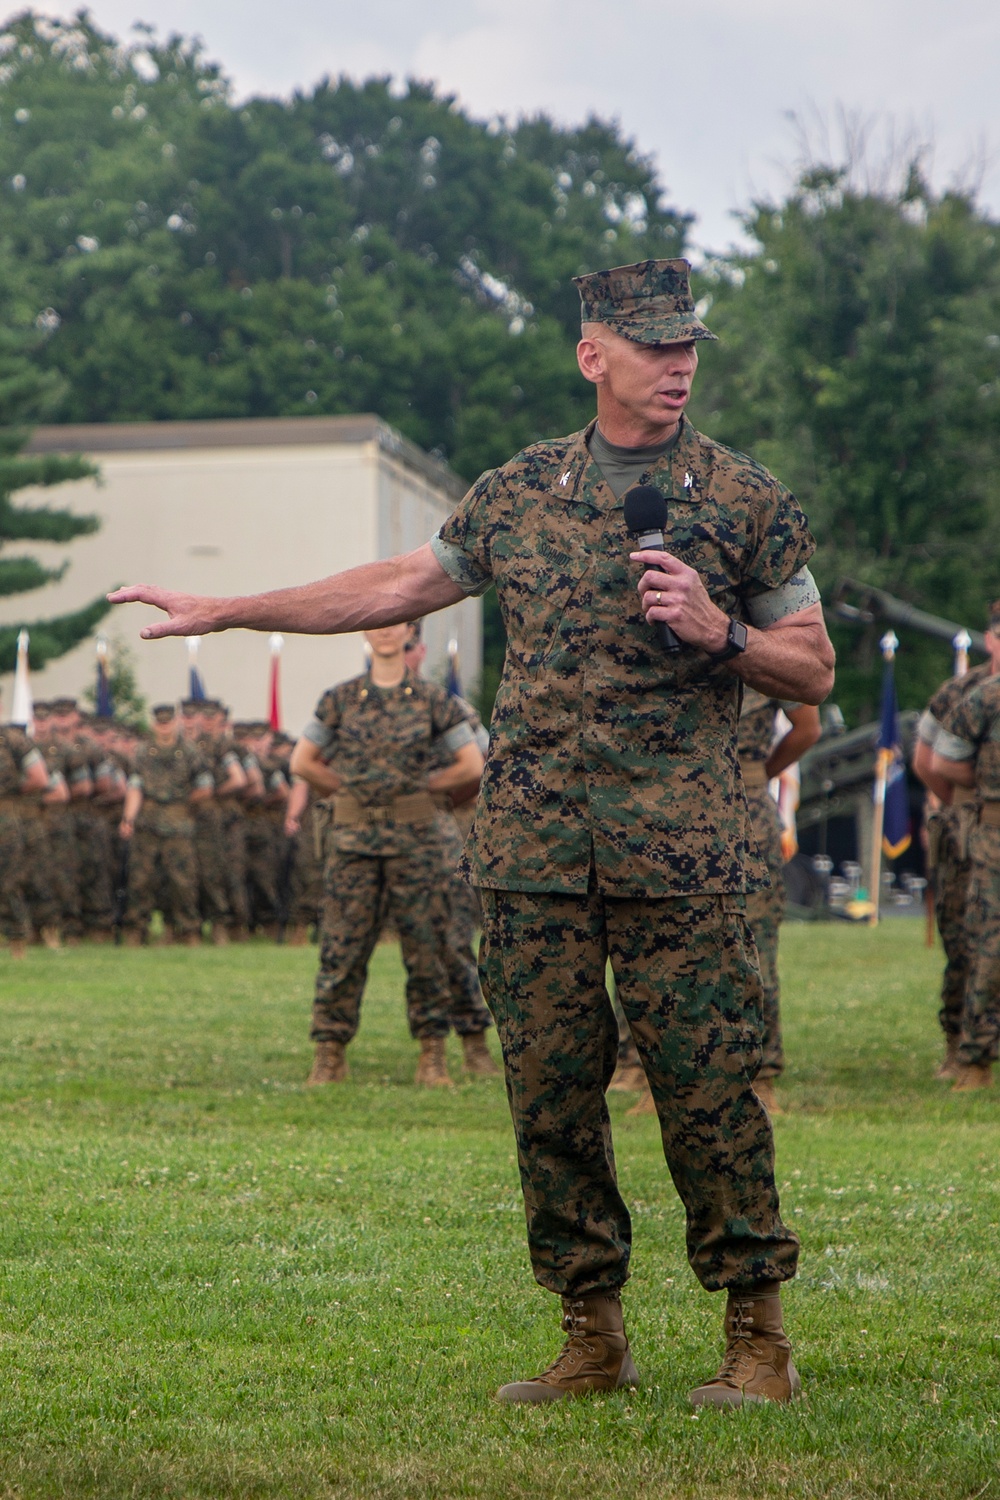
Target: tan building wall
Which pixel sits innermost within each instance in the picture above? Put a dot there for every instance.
(237, 507)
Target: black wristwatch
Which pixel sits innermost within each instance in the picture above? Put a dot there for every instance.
(736, 642)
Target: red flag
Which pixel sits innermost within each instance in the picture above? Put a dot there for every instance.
(274, 715)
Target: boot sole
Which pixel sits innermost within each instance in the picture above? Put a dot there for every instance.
(536, 1392)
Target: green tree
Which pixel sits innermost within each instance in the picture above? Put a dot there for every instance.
(26, 393)
(860, 360)
(342, 250)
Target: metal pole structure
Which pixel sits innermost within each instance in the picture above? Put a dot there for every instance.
(888, 643)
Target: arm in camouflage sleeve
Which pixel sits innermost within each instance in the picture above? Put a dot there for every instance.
(791, 658)
(363, 598)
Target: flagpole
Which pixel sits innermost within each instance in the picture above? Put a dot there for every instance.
(888, 644)
(22, 709)
(960, 645)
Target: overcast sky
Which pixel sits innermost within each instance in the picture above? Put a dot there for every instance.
(707, 89)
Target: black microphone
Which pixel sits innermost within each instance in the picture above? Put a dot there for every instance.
(645, 517)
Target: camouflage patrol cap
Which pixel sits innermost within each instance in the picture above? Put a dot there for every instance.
(163, 711)
(649, 303)
(63, 706)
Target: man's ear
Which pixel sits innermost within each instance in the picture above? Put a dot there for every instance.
(590, 358)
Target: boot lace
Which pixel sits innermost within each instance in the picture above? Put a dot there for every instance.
(575, 1324)
(739, 1353)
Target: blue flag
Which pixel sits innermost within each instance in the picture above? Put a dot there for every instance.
(896, 820)
(453, 682)
(196, 689)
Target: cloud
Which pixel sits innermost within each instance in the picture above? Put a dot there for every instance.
(708, 90)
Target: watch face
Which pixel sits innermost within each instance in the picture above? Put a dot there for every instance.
(738, 635)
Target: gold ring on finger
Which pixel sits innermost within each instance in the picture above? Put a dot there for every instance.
(659, 597)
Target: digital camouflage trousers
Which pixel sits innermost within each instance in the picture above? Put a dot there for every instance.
(981, 1012)
(15, 923)
(163, 872)
(948, 833)
(360, 890)
(765, 910)
(688, 981)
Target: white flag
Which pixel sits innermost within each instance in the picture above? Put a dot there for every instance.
(22, 709)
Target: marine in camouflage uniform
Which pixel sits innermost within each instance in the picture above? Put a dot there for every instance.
(21, 767)
(228, 779)
(306, 896)
(383, 743)
(760, 760)
(265, 836)
(612, 823)
(468, 1013)
(60, 830)
(949, 825)
(233, 820)
(169, 775)
(970, 738)
(95, 843)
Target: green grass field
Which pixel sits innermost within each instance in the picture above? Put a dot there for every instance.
(215, 1283)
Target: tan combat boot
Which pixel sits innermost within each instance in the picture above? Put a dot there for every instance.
(764, 1089)
(18, 948)
(951, 1063)
(476, 1056)
(758, 1362)
(297, 935)
(220, 937)
(972, 1076)
(595, 1356)
(329, 1064)
(52, 938)
(432, 1071)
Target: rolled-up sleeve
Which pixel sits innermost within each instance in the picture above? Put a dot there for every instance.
(789, 598)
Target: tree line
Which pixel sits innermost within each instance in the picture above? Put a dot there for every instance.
(168, 252)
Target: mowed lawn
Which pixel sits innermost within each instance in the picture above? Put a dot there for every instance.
(216, 1283)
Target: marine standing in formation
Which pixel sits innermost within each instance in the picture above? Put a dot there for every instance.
(467, 1012)
(962, 732)
(612, 820)
(762, 759)
(168, 779)
(372, 753)
(23, 773)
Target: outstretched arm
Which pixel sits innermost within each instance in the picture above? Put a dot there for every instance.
(379, 593)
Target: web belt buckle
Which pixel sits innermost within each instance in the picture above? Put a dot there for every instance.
(379, 814)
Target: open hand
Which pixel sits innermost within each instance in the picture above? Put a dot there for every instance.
(187, 614)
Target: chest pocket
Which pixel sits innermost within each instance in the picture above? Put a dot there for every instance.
(711, 541)
(538, 563)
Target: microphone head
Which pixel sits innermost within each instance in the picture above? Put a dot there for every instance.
(645, 509)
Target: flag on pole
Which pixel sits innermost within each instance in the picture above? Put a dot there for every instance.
(274, 713)
(896, 811)
(22, 707)
(453, 681)
(103, 702)
(196, 687)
